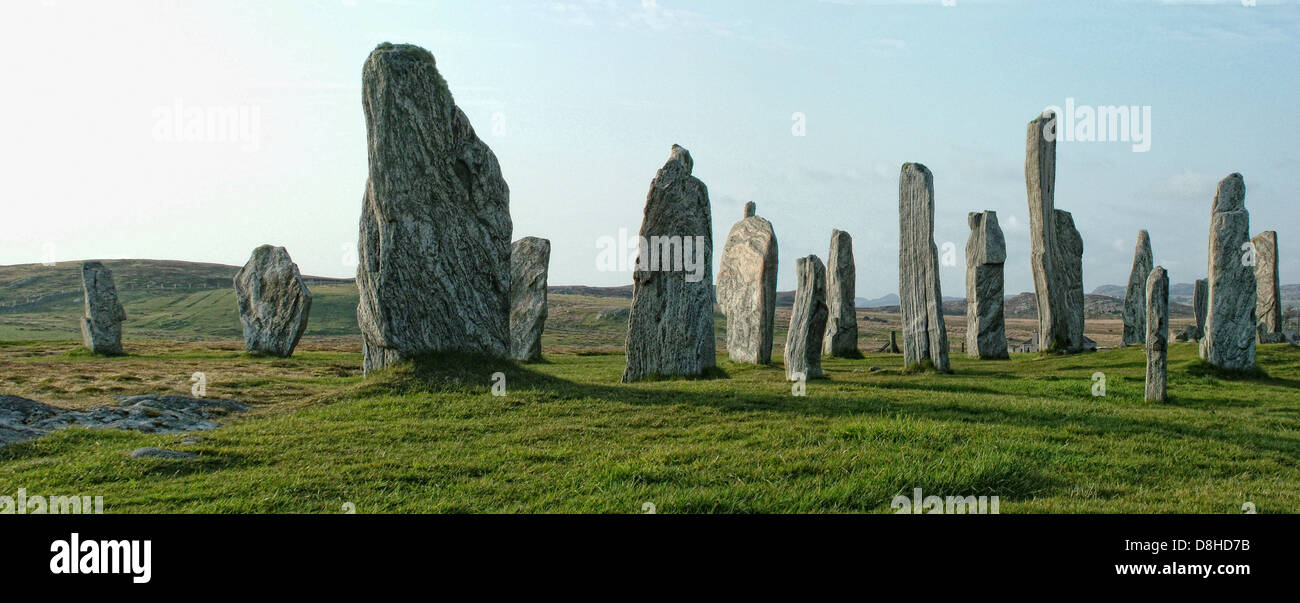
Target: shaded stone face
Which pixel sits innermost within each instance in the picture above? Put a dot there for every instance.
(1268, 303)
(803, 355)
(920, 297)
(1230, 325)
(747, 288)
(1056, 247)
(274, 302)
(1157, 334)
(1201, 305)
(670, 328)
(986, 255)
(434, 244)
(101, 327)
(530, 260)
(1135, 301)
(841, 291)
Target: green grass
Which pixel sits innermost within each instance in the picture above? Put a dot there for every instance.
(568, 437)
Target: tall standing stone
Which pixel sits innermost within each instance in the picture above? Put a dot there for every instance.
(101, 327)
(747, 288)
(1135, 299)
(1157, 334)
(986, 256)
(1268, 305)
(841, 291)
(274, 302)
(434, 245)
(530, 260)
(670, 328)
(803, 354)
(1201, 305)
(920, 297)
(1057, 248)
(1229, 341)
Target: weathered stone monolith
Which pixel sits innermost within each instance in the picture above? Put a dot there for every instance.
(530, 260)
(274, 302)
(1201, 305)
(1229, 341)
(670, 328)
(986, 256)
(747, 288)
(920, 298)
(434, 245)
(1268, 304)
(1057, 248)
(1135, 298)
(803, 352)
(101, 327)
(841, 291)
(1157, 333)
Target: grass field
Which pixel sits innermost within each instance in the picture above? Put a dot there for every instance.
(568, 437)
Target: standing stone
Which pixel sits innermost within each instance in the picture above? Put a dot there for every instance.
(274, 302)
(1201, 305)
(530, 259)
(1057, 248)
(434, 245)
(747, 288)
(1157, 334)
(1268, 305)
(101, 327)
(920, 297)
(670, 328)
(1229, 341)
(841, 290)
(803, 354)
(1135, 299)
(986, 255)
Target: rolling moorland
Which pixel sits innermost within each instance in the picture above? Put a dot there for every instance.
(568, 437)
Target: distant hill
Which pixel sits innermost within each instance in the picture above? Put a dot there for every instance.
(1111, 291)
(1184, 293)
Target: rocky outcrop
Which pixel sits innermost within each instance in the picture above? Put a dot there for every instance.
(925, 339)
(101, 327)
(1229, 341)
(23, 419)
(530, 260)
(841, 291)
(1135, 298)
(274, 302)
(747, 288)
(1056, 247)
(1268, 302)
(986, 255)
(434, 246)
(1157, 334)
(670, 329)
(803, 353)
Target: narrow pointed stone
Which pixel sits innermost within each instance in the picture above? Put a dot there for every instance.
(1157, 334)
(1135, 298)
(1230, 324)
(920, 297)
(841, 291)
(1201, 305)
(803, 355)
(747, 288)
(1268, 304)
(1056, 247)
(101, 327)
(530, 261)
(986, 255)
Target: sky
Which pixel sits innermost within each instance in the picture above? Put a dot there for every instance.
(808, 108)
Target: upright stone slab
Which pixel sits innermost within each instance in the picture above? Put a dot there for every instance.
(1229, 341)
(920, 297)
(670, 328)
(530, 260)
(1057, 248)
(1201, 305)
(1268, 304)
(101, 327)
(274, 302)
(803, 354)
(986, 256)
(1157, 334)
(747, 288)
(841, 291)
(1135, 299)
(434, 245)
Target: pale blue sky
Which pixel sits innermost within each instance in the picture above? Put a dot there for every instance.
(592, 94)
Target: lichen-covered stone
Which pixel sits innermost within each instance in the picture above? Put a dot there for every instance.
(925, 338)
(530, 260)
(1135, 298)
(1201, 305)
(1268, 303)
(986, 255)
(1230, 325)
(274, 302)
(841, 291)
(747, 288)
(1157, 334)
(101, 327)
(1056, 247)
(803, 353)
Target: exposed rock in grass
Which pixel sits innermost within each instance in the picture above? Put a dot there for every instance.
(23, 419)
(159, 453)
